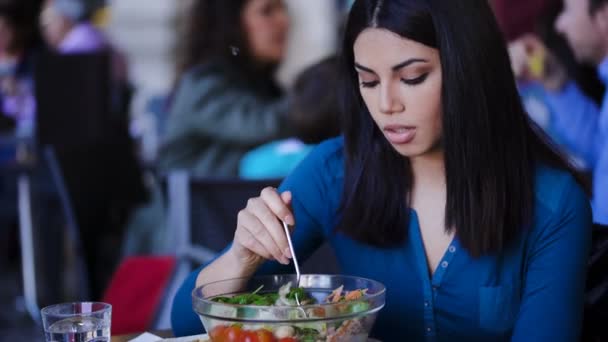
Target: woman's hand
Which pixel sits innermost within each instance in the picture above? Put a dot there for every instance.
(259, 233)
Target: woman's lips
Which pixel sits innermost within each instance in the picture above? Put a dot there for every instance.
(400, 135)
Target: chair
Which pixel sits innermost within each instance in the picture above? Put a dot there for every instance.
(202, 215)
(203, 212)
(43, 181)
(596, 294)
(136, 291)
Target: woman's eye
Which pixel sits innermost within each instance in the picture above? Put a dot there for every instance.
(415, 81)
(369, 84)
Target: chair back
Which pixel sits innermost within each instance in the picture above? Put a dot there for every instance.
(203, 214)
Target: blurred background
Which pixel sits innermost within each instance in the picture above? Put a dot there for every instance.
(132, 132)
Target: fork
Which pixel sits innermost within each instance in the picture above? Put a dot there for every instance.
(295, 260)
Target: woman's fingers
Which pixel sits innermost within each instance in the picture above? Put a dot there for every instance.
(275, 202)
(256, 230)
(244, 238)
(272, 224)
(259, 228)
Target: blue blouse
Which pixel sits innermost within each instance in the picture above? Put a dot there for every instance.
(533, 291)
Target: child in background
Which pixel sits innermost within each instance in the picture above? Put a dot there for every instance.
(314, 114)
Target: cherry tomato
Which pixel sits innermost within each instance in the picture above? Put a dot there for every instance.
(233, 334)
(288, 339)
(218, 334)
(265, 336)
(249, 336)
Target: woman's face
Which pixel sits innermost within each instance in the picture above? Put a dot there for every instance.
(266, 24)
(400, 82)
(54, 26)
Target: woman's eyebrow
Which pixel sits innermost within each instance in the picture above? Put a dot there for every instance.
(395, 67)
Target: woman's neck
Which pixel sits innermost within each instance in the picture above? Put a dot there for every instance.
(429, 170)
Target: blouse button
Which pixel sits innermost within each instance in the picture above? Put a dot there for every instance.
(452, 249)
(429, 329)
(444, 264)
(426, 304)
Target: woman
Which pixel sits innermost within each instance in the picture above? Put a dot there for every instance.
(227, 102)
(441, 188)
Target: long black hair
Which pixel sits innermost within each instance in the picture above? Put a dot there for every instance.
(491, 147)
(214, 32)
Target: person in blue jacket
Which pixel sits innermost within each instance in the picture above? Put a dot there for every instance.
(441, 188)
(578, 121)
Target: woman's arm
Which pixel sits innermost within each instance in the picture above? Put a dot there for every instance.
(554, 284)
(215, 107)
(309, 205)
(576, 120)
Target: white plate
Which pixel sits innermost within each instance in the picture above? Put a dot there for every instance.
(196, 338)
(147, 337)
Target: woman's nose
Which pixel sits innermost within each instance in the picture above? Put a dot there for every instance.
(389, 101)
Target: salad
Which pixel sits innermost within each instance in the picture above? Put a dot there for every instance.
(311, 330)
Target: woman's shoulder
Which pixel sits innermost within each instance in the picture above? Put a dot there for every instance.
(211, 71)
(323, 165)
(563, 209)
(556, 187)
(329, 155)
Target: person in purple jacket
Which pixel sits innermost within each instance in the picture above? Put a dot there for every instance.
(581, 124)
(66, 27)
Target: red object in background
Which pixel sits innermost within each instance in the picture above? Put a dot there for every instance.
(136, 291)
(518, 17)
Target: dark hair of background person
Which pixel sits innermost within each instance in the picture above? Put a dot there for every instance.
(22, 16)
(214, 31)
(518, 17)
(595, 5)
(491, 146)
(315, 109)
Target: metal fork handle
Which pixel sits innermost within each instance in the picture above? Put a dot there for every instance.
(293, 254)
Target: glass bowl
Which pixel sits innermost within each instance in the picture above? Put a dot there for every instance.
(332, 322)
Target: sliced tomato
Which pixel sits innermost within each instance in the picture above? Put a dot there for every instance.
(265, 336)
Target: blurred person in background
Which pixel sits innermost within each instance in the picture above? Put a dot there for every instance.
(521, 17)
(314, 114)
(18, 44)
(226, 101)
(580, 122)
(101, 173)
(67, 28)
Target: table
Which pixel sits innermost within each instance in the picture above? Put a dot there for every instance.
(125, 338)
(166, 334)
